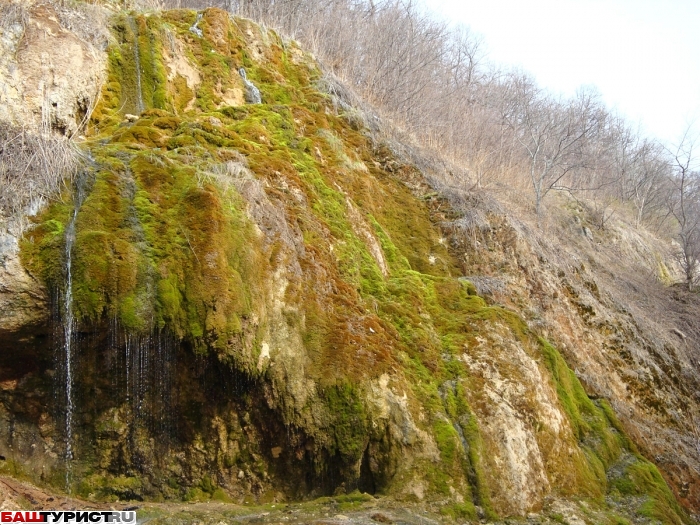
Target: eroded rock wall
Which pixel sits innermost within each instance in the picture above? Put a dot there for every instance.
(50, 75)
(603, 296)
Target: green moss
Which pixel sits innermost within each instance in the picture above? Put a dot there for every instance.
(205, 250)
(152, 244)
(349, 420)
(123, 65)
(109, 488)
(12, 467)
(607, 447)
(583, 414)
(42, 249)
(183, 95)
(144, 135)
(136, 78)
(459, 511)
(468, 424)
(600, 443)
(220, 495)
(626, 442)
(396, 259)
(447, 441)
(661, 504)
(196, 494)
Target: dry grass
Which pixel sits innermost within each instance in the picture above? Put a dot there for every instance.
(89, 22)
(33, 169)
(349, 104)
(228, 174)
(13, 14)
(34, 166)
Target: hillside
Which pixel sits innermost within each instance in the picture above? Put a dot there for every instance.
(269, 300)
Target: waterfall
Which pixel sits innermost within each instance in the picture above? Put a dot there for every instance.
(194, 27)
(136, 371)
(67, 347)
(252, 93)
(137, 65)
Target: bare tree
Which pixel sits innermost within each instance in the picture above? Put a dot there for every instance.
(686, 206)
(648, 187)
(552, 132)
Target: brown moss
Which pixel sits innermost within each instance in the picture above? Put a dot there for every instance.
(143, 135)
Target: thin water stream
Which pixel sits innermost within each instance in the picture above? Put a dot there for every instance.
(196, 30)
(252, 95)
(137, 64)
(67, 351)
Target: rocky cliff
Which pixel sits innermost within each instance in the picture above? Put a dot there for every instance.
(265, 302)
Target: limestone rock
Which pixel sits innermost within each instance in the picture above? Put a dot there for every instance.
(49, 77)
(23, 300)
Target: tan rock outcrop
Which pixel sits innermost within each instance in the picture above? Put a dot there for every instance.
(23, 300)
(49, 76)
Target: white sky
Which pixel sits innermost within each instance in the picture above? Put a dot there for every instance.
(642, 55)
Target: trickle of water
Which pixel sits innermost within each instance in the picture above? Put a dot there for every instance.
(194, 27)
(127, 362)
(67, 356)
(137, 62)
(252, 93)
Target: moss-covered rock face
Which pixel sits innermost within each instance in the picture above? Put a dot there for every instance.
(266, 308)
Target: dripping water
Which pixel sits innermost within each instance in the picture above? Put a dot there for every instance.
(66, 354)
(137, 64)
(144, 365)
